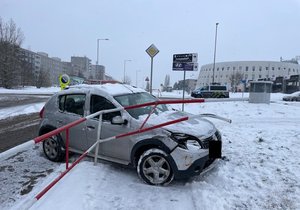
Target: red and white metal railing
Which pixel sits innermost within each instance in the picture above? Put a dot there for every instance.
(96, 144)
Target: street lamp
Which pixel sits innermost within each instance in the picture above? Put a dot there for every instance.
(125, 69)
(98, 49)
(216, 34)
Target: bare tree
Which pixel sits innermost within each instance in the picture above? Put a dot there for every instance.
(43, 79)
(26, 73)
(11, 39)
(235, 79)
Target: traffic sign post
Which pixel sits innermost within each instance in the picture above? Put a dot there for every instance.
(152, 51)
(64, 81)
(185, 62)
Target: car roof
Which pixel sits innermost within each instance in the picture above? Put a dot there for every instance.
(109, 89)
(295, 93)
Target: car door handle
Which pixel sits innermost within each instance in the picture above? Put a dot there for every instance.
(90, 127)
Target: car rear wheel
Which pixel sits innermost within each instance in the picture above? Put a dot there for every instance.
(154, 167)
(53, 148)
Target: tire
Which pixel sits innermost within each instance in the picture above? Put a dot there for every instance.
(53, 148)
(154, 167)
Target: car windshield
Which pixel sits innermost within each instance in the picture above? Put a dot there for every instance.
(139, 98)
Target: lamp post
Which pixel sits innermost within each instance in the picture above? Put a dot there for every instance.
(125, 69)
(98, 49)
(216, 34)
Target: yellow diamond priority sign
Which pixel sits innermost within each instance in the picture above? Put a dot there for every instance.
(152, 51)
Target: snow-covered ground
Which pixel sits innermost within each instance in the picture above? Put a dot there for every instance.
(31, 90)
(18, 110)
(261, 169)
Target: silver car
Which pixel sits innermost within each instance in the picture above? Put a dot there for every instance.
(176, 151)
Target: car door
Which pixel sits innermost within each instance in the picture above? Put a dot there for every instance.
(117, 148)
(71, 108)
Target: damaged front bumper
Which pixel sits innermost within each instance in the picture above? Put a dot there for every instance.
(189, 163)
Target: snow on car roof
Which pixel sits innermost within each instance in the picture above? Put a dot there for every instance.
(111, 89)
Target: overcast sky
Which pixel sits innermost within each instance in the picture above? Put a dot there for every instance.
(248, 30)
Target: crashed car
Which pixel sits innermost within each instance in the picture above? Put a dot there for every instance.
(176, 151)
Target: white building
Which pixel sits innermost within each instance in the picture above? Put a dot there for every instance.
(251, 71)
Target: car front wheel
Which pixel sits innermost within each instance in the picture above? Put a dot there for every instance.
(154, 167)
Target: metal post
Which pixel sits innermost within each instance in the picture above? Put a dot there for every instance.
(216, 34)
(67, 147)
(98, 138)
(97, 52)
(125, 70)
(151, 75)
(98, 49)
(183, 89)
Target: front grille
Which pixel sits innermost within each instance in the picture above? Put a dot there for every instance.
(205, 142)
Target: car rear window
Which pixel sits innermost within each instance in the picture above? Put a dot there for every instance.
(72, 103)
(218, 88)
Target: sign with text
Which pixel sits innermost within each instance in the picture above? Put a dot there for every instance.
(185, 62)
(186, 58)
(185, 66)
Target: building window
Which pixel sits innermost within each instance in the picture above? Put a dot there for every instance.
(246, 76)
(222, 68)
(253, 76)
(233, 68)
(278, 68)
(273, 68)
(253, 68)
(260, 68)
(259, 76)
(247, 68)
(218, 69)
(267, 68)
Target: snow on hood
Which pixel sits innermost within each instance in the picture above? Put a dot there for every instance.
(195, 125)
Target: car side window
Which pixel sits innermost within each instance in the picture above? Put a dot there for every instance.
(204, 88)
(99, 103)
(73, 103)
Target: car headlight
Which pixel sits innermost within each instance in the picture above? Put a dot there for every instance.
(186, 141)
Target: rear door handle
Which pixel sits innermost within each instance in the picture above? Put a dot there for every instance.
(90, 127)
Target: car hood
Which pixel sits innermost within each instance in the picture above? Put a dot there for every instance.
(196, 126)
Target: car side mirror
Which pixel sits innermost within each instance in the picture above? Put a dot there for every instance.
(118, 120)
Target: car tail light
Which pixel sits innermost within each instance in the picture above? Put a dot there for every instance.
(42, 112)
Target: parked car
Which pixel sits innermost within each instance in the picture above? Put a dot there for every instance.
(175, 151)
(292, 97)
(211, 91)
